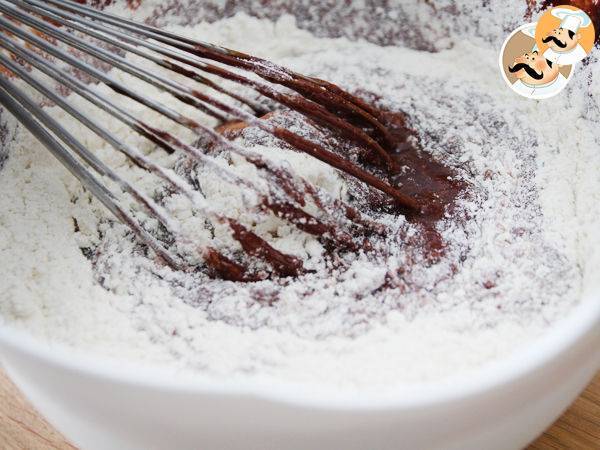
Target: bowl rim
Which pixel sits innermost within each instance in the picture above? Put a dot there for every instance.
(582, 320)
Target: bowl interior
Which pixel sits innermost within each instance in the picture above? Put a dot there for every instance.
(414, 24)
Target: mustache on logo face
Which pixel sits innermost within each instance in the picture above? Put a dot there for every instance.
(556, 41)
(530, 71)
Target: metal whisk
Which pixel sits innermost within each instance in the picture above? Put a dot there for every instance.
(39, 34)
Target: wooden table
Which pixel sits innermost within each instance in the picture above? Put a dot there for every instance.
(21, 428)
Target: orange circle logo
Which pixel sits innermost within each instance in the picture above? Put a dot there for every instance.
(526, 71)
(565, 35)
(537, 60)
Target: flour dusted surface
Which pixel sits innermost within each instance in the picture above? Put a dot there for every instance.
(509, 272)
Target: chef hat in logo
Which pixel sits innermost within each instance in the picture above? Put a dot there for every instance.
(571, 23)
(571, 20)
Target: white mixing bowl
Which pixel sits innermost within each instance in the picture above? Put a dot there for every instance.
(504, 406)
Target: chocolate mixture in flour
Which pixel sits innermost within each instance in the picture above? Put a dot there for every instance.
(479, 265)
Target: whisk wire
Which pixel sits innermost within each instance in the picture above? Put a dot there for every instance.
(28, 113)
(134, 155)
(286, 194)
(324, 91)
(155, 135)
(125, 41)
(201, 101)
(205, 209)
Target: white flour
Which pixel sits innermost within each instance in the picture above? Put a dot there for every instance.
(512, 270)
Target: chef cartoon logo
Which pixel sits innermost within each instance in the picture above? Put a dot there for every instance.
(565, 35)
(538, 59)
